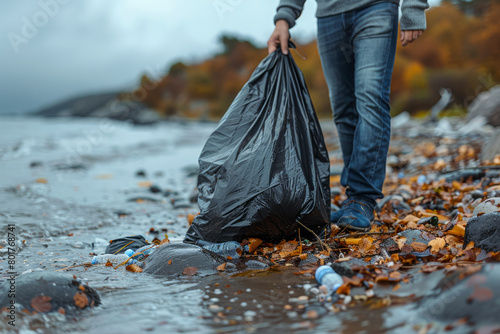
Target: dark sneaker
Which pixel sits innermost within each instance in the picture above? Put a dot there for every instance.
(357, 216)
(335, 216)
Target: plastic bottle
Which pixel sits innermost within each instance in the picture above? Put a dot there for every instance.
(328, 278)
(433, 220)
(114, 259)
(224, 249)
(145, 250)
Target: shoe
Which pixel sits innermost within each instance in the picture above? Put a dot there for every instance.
(335, 216)
(358, 216)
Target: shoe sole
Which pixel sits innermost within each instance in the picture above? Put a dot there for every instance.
(354, 228)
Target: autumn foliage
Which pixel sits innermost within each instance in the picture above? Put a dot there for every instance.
(459, 51)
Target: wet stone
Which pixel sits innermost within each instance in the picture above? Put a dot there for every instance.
(488, 206)
(46, 291)
(484, 231)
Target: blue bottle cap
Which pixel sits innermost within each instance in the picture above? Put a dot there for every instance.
(129, 252)
(322, 271)
(94, 260)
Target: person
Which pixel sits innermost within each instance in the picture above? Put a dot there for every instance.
(357, 46)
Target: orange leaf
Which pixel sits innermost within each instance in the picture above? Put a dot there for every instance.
(169, 262)
(352, 241)
(437, 244)
(41, 303)
(190, 271)
(134, 268)
(41, 180)
(145, 184)
(458, 230)
(81, 299)
(222, 267)
(418, 246)
(190, 218)
(344, 289)
(254, 244)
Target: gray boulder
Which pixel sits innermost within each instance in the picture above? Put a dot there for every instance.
(484, 231)
(47, 291)
(491, 147)
(488, 206)
(487, 105)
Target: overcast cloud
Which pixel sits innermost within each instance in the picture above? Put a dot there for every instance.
(91, 46)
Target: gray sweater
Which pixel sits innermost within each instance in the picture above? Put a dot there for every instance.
(413, 17)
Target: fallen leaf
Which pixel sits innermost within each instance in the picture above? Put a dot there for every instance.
(61, 310)
(410, 218)
(134, 268)
(190, 218)
(437, 244)
(418, 246)
(254, 244)
(81, 299)
(145, 184)
(401, 241)
(41, 303)
(344, 289)
(458, 230)
(222, 267)
(190, 271)
(352, 241)
(41, 180)
(169, 262)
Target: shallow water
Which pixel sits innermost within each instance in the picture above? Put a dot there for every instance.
(90, 170)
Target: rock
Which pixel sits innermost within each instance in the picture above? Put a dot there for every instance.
(173, 258)
(155, 189)
(46, 291)
(487, 105)
(488, 206)
(463, 294)
(396, 202)
(484, 231)
(140, 173)
(413, 236)
(491, 147)
(35, 164)
(79, 107)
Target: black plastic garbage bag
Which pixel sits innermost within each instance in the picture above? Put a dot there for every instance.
(266, 165)
(119, 246)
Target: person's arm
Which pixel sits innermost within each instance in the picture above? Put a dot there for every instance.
(288, 11)
(413, 21)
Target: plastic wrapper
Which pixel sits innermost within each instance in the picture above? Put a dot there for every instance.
(119, 246)
(265, 167)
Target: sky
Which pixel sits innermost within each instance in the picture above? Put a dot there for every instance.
(51, 50)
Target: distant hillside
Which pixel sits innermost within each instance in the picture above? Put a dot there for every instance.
(460, 50)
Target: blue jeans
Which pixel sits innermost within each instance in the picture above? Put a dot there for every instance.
(357, 50)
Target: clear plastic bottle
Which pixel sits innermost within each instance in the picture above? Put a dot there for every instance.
(145, 250)
(224, 249)
(328, 278)
(114, 259)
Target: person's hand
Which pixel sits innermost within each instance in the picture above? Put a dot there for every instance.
(280, 36)
(408, 36)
